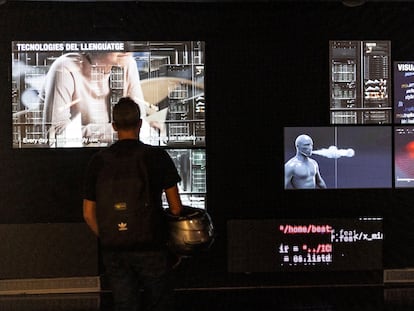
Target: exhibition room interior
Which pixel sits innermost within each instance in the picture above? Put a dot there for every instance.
(233, 85)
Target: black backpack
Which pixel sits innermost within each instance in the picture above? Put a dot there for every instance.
(126, 215)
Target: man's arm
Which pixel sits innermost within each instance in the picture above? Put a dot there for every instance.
(288, 175)
(89, 215)
(57, 95)
(174, 200)
(132, 86)
(320, 182)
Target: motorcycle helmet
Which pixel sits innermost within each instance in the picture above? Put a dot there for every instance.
(191, 232)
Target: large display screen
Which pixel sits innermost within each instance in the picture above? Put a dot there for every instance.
(338, 244)
(63, 92)
(347, 157)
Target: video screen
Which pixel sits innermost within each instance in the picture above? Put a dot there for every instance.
(404, 92)
(63, 92)
(339, 244)
(191, 165)
(404, 156)
(338, 157)
(360, 82)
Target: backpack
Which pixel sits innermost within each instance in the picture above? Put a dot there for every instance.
(126, 216)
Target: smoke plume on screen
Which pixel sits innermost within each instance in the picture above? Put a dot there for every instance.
(334, 153)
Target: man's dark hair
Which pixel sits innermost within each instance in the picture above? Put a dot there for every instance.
(126, 113)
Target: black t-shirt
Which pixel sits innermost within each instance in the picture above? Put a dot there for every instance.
(161, 171)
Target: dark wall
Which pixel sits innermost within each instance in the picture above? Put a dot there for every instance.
(267, 67)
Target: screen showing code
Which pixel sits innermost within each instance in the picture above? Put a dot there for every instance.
(305, 245)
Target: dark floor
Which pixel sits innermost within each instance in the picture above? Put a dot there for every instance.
(333, 298)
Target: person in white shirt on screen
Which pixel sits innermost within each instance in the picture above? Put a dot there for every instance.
(76, 97)
(301, 171)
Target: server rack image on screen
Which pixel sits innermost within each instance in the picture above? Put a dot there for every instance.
(360, 82)
(191, 165)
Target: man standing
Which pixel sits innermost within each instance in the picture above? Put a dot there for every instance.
(144, 263)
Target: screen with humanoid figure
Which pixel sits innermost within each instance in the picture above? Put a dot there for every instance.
(339, 157)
